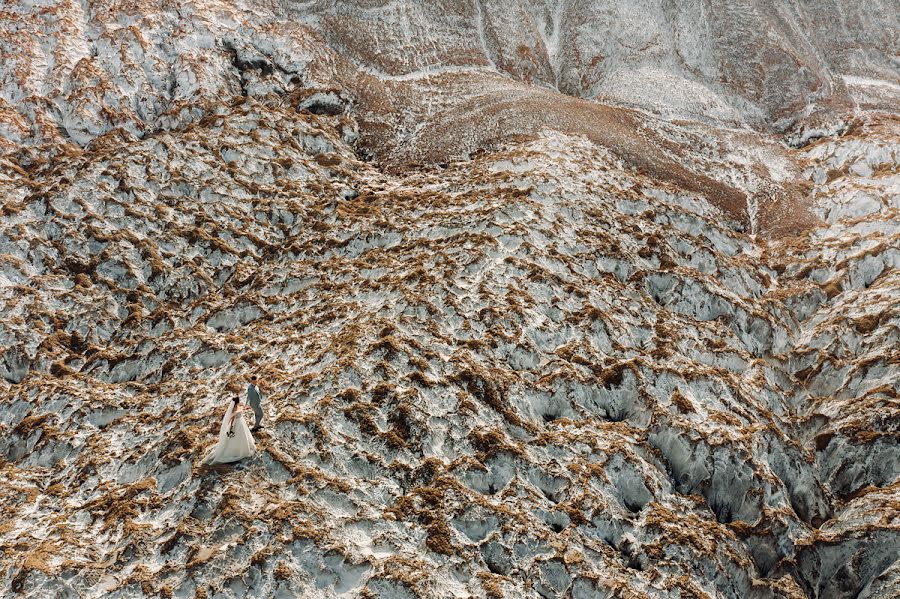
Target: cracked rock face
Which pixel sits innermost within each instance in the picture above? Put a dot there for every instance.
(529, 323)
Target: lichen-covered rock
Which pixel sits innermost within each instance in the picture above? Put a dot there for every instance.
(608, 354)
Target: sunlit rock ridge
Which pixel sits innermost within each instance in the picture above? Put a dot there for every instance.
(549, 299)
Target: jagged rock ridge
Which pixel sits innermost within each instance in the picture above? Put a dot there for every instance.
(563, 367)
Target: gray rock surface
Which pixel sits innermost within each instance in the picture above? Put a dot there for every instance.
(558, 299)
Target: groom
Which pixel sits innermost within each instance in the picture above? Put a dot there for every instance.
(253, 397)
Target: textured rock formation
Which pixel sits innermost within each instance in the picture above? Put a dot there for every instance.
(524, 332)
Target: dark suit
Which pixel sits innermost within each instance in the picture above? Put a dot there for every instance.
(253, 398)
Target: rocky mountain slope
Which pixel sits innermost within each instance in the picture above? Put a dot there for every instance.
(550, 300)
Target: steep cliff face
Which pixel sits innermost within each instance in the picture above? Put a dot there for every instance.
(523, 332)
(761, 62)
(73, 70)
(441, 81)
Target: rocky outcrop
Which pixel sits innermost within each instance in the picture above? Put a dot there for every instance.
(535, 373)
(518, 337)
(441, 82)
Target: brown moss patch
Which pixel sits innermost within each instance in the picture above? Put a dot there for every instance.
(492, 585)
(282, 571)
(489, 390)
(682, 403)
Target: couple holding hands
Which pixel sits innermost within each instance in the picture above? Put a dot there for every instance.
(235, 436)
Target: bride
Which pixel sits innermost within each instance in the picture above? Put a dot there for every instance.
(235, 440)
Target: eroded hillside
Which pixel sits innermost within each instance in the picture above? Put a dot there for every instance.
(515, 342)
(535, 372)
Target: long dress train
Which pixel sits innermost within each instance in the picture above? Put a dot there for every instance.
(237, 447)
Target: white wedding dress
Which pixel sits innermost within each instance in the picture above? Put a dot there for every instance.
(234, 448)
